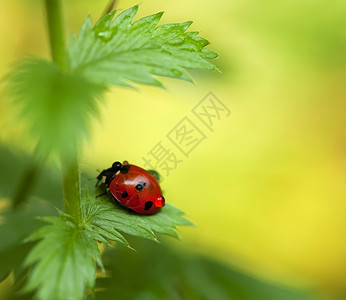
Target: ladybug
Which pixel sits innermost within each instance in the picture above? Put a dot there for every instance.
(133, 187)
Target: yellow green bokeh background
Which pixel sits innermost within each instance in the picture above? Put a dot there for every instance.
(266, 189)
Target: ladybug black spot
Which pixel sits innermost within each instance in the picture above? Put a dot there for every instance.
(124, 169)
(148, 205)
(140, 186)
(124, 194)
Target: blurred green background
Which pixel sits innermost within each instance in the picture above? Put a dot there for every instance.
(266, 188)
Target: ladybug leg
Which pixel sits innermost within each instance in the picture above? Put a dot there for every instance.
(104, 193)
(105, 173)
(108, 174)
(105, 176)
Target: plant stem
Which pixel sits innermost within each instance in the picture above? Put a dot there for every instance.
(69, 167)
(109, 8)
(56, 32)
(71, 187)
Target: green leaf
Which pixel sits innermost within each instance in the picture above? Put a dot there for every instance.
(16, 225)
(106, 220)
(64, 260)
(118, 50)
(56, 105)
(11, 259)
(155, 174)
(157, 271)
(65, 257)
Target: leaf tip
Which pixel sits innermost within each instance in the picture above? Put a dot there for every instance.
(131, 248)
(160, 14)
(186, 24)
(217, 69)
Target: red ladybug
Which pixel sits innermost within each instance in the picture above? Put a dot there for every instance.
(133, 187)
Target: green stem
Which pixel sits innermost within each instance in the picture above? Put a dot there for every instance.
(69, 167)
(109, 8)
(71, 187)
(56, 32)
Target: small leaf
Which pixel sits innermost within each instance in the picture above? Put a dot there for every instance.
(155, 174)
(64, 261)
(56, 105)
(102, 216)
(118, 51)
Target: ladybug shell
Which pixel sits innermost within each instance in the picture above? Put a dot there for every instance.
(138, 190)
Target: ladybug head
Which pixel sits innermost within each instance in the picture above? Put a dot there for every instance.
(123, 168)
(116, 166)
